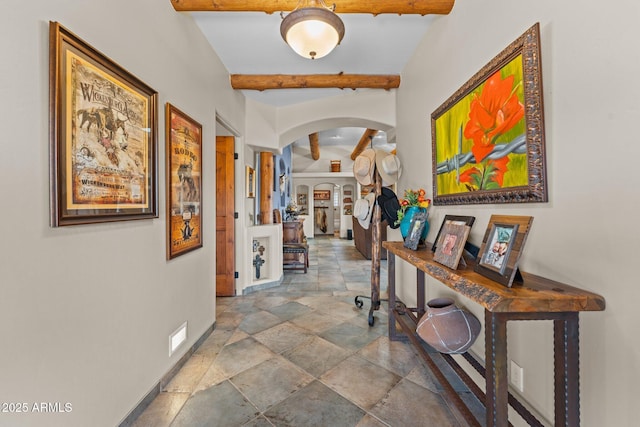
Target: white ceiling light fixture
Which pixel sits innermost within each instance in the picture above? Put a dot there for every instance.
(312, 31)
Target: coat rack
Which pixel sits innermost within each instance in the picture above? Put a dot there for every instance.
(375, 253)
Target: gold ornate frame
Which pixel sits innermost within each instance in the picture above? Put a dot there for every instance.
(494, 162)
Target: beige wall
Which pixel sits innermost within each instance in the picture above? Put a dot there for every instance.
(586, 234)
(86, 311)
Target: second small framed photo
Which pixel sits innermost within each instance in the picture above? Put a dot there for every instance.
(502, 246)
(455, 219)
(450, 244)
(415, 230)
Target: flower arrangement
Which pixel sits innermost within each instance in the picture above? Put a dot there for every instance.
(412, 198)
(292, 206)
(291, 211)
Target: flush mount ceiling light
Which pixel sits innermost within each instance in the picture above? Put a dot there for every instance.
(312, 31)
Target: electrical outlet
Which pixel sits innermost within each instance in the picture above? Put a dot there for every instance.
(517, 376)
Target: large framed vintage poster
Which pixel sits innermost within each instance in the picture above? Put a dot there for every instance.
(184, 182)
(488, 142)
(102, 136)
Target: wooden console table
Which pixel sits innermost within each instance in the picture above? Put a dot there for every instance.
(536, 298)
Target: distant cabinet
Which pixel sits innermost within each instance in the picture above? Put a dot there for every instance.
(292, 232)
(362, 238)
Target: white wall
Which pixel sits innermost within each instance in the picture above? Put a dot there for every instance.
(269, 237)
(261, 123)
(303, 162)
(585, 235)
(86, 311)
(373, 109)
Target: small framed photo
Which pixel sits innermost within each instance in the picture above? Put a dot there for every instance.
(415, 230)
(502, 246)
(450, 244)
(455, 219)
(250, 179)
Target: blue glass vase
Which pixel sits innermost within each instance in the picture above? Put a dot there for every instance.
(405, 223)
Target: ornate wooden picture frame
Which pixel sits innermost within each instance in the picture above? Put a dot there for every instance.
(102, 136)
(456, 219)
(488, 143)
(184, 182)
(502, 246)
(450, 243)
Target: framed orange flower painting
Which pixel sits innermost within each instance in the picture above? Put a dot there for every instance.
(488, 137)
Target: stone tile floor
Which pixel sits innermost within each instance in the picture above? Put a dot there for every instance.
(302, 354)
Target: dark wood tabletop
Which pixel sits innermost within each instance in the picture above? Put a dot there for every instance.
(534, 294)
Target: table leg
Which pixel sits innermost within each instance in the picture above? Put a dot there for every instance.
(497, 386)
(567, 370)
(391, 289)
(420, 293)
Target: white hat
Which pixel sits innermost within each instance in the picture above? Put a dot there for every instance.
(364, 165)
(363, 209)
(389, 167)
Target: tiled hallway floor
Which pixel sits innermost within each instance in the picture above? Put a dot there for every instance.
(302, 354)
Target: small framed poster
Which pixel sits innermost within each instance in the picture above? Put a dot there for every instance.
(321, 194)
(184, 182)
(251, 182)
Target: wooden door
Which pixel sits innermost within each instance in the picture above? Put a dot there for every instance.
(225, 208)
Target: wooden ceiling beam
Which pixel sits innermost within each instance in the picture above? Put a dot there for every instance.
(314, 146)
(400, 7)
(300, 81)
(365, 140)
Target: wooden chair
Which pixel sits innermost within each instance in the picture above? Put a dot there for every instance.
(294, 246)
(298, 249)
